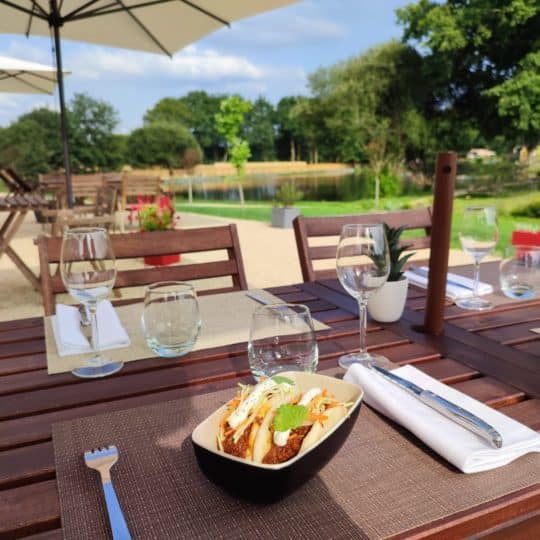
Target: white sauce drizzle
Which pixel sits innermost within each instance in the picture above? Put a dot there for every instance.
(281, 437)
(242, 411)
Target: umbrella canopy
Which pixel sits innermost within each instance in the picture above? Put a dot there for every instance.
(23, 77)
(159, 26)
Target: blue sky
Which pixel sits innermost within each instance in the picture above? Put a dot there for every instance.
(270, 55)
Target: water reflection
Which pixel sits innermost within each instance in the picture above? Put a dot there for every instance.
(345, 186)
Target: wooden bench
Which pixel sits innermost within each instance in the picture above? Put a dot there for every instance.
(209, 241)
(317, 237)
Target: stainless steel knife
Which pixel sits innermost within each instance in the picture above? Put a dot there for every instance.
(452, 411)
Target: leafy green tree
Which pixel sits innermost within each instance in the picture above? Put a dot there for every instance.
(22, 147)
(159, 144)
(481, 60)
(259, 131)
(289, 131)
(229, 122)
(91, 126)
(167, 110)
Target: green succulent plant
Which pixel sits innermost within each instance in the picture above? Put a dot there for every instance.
(396, 249)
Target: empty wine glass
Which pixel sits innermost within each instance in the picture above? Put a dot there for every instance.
(478, 235)
(363, 265)
(88, 270)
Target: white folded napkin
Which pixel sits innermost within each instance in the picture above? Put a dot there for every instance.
(66, 325)
(459, 446)
(456, 286)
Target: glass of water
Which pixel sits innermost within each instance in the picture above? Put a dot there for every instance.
(282, 338)
(478, 235)
(519, 272)
(171, 321)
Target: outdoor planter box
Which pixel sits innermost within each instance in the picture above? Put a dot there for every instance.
(162, 260)
(283, 216)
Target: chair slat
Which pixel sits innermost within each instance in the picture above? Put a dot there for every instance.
(225, 262)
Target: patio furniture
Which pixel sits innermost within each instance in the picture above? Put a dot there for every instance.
(101, 214)
(138, 190)
(490, 356)
(317, 237)
(16, 206)
(220, 246)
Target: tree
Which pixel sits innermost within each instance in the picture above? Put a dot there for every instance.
(160, 144)
(168, 110)
(229, 121)
(259, 131)
(289, 131)
(91, 126)
(481, 59)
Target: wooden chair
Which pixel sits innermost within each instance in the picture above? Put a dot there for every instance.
(135, 245)
(317, 237)
(136, 191)
(101, 214)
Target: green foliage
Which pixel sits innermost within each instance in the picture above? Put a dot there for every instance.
(531, 209)
(391, 185)
(159, 145)
(91, 126)
(152, 218)
(397, 259)
(288, 194)
(239, 153)
(168, 110)
(259, 130)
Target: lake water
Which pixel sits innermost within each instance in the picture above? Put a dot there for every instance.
(330, 187)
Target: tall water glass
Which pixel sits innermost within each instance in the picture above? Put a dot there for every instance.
(478, 234)
(88, 269)
(282, 338)
(363, 265)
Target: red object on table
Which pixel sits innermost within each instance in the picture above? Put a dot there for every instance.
(162, 260)
(526, 238)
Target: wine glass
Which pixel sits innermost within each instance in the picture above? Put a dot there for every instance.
(363, 265)
(88, 270)
(519, 272)
(478, 235)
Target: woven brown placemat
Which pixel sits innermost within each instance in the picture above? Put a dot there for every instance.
(380, 483)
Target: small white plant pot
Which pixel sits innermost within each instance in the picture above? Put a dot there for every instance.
(388, 303)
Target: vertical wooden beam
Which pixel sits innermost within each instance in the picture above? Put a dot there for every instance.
(443, 200)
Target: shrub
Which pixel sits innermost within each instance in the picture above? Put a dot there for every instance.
(288, 194)
(529, 210)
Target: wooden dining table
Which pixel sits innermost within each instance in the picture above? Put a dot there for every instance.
(492, 356)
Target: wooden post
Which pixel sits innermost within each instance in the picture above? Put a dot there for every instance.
(443, 200)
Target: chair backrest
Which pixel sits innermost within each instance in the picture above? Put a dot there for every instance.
(140, 186)
(207, 253)
(15, 181)
(317, 237)
(86, 185)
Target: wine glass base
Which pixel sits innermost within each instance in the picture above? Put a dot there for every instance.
(101, 368)
(474, 304)
(348, 360)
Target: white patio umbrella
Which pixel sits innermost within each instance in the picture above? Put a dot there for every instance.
(159, 26)
(23, 77)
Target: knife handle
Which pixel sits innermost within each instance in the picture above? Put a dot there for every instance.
(462, 417)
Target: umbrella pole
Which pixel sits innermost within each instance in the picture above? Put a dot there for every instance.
(63, 119)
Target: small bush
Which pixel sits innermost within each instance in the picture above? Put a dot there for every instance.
(529, 210)
(288, 194)
(390, 184)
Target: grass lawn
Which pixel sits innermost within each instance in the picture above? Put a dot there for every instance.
(261, 211)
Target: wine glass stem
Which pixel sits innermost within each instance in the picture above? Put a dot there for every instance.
(476, 278)
(92, 308)
(362, 317)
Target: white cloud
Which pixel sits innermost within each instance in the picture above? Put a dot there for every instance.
(191, 64)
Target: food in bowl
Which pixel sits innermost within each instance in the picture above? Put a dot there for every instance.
(245, 474)
(273, 421)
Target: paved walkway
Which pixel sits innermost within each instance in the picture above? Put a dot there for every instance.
(269, 254)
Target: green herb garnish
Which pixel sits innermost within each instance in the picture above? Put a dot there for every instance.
(290, 417)
(280, 379)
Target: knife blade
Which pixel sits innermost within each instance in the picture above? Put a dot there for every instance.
(258, 298)
(425, 273)
(445, 407)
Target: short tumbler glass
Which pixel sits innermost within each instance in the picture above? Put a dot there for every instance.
(282, 338)
(519, 272)
(171, 321)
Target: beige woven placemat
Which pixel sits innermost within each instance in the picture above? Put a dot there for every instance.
(379, 483)
(226, 320)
